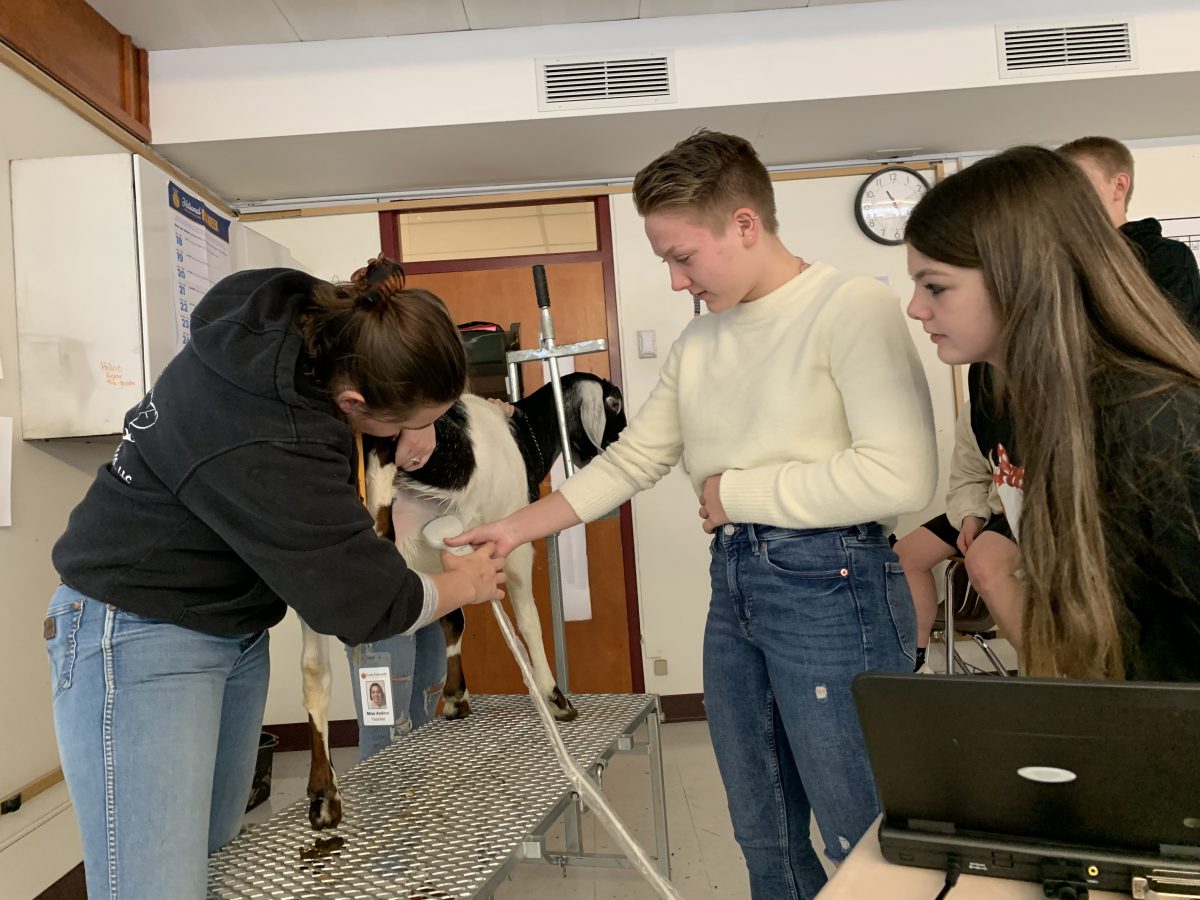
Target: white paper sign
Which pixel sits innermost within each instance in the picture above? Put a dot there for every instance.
(375, 685)
(200, 256)
(6, 433)
(572, 543)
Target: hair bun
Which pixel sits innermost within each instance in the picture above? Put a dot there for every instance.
(376, 281)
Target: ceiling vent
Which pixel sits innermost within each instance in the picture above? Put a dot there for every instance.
(614, 80)
(1027, 50)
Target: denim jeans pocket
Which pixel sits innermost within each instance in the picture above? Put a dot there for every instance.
(900, 608)
(60, 630)
(806, 557)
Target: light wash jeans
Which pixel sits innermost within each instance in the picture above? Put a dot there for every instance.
(158, 732)
(795, 615)
(417, 660)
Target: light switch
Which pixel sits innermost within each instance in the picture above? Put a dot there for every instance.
(660, 667)
(647, 344)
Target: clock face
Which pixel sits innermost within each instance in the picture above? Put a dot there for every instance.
(885, 201)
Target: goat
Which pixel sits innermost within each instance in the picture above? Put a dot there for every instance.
(486, 466)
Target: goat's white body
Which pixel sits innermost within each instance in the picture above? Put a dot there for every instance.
(497, 487)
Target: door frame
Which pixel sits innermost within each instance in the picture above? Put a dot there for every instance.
(389, 235)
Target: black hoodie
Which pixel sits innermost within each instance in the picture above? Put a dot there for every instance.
(232, 492)
(1172, 266)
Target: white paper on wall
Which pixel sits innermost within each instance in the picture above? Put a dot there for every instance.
(6, 433)
(572, 543)
(200, 256)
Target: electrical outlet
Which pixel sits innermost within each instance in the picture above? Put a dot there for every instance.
(660, 667)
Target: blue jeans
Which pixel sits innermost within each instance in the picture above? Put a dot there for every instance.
(158, 732)
(795, 615)
(418, 659)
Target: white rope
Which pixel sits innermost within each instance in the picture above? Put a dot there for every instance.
(575, 774)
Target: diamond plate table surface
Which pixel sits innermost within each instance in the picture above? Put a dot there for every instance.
(434, 816)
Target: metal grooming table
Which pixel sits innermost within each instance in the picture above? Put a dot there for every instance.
(450, 810)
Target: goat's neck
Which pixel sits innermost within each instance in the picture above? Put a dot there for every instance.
(535, 425)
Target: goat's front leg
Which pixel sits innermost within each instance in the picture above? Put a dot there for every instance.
(519, 570)
(324, 799)
(456, 699)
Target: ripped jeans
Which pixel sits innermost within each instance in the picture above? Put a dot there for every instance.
(795, 615)
(417, 659)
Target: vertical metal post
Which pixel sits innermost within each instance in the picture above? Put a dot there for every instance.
(658, 791)
(557, 618)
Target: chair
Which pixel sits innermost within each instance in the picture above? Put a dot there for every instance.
(964, 612)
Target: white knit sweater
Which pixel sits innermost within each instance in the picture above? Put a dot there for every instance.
(811, 400)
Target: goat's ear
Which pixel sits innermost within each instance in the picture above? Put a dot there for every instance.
(614, 403)
(591, 411)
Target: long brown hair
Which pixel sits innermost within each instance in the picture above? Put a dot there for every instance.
(1076, 305)
(397, 347)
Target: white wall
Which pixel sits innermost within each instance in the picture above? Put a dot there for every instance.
(331, 247)
(48, 480)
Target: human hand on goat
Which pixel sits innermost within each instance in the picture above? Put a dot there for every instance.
(415, 447)
(482, 572)
(500, 535)
(711, 510)
(549, 515)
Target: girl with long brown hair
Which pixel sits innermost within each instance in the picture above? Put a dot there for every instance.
(1016, 265)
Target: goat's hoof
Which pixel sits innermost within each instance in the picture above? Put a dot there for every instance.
(561, 707)
(455, 708)
(325, 809)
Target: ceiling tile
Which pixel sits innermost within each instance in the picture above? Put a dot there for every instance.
(655, 8)
(180, 24)
(320, 20)
(520, 13)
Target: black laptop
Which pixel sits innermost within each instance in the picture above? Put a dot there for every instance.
(1095, 784)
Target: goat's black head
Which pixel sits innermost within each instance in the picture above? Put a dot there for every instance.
(595, 415)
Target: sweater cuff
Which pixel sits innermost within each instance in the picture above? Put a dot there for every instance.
(428, 606)
(750, 496)
(591, 495)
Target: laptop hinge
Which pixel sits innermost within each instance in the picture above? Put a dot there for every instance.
(1178, 851)
(931, 826)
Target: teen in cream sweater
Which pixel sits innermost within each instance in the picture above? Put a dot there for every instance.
(810, 400)
(800, 412)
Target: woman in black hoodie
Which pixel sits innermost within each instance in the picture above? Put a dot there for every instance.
(231, 497)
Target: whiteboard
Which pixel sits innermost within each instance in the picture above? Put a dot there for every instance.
(79, 332)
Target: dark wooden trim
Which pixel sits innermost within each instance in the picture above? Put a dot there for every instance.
(633, 615)
(81, 50)
(70, 887)
(437, 266)
(683, 707)
(604, 245)
(389, 236)
(294, 735)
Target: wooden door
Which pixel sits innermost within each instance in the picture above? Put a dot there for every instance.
(598, 650)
